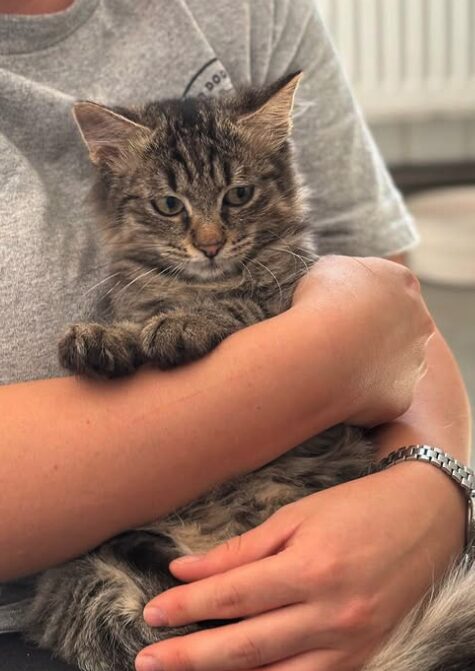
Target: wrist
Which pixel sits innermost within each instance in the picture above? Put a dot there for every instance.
(432, 500)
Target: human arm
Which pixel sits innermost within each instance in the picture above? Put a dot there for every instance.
(382, 534)
(386, 537)
(442, 382)
(83, 460)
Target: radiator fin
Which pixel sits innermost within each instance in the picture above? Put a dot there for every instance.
(407, 58)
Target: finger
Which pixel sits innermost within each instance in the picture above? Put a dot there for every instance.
(255, 588)
(248, 644)
(266, 539)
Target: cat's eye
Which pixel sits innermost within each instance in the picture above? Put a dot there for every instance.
(169, 206)
(238, 195)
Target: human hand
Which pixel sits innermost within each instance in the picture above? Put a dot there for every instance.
(388, 328)
(320, 584)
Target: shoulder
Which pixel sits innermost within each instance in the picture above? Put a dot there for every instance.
(283, 17)
(247, 35)
(293, 11)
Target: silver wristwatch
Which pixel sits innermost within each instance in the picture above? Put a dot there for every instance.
(461, 474)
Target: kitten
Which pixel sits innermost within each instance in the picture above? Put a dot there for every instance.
(203, 212)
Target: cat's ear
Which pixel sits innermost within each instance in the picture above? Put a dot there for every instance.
(109, 136)
(272, 120)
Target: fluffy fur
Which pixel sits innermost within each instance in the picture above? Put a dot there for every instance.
(439, 635)
(203, 215)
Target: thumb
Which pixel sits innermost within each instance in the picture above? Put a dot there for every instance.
(266, 539)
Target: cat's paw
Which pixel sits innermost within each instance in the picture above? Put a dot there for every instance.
(98, 350)
(171, 339)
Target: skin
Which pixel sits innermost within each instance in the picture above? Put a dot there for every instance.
(54, 428)
(379, 558)
(345, 603)
(70, 472)
(32, 7)
(51, 430)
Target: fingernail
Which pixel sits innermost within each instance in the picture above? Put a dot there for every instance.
(154, 616)
(147, 663)
(187, 559)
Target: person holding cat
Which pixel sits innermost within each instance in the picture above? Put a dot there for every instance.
(325, 580)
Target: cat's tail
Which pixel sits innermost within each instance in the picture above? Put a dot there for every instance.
(438, 635)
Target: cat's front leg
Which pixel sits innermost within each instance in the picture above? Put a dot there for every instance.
(184, 335)
(101, 350)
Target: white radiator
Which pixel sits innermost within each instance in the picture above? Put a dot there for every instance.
(407, 59)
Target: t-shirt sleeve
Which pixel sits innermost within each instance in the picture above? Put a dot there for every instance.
(354, 205)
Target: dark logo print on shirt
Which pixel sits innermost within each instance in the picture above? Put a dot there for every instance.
(210, 79)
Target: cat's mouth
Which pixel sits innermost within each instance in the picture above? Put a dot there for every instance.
(227, 262)
(217, 266)
(196, 263)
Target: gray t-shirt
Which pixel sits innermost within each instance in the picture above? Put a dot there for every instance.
(122, 52)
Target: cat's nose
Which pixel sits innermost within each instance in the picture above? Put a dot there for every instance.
(211, 250)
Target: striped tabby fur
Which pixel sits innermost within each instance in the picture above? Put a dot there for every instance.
(186, 274)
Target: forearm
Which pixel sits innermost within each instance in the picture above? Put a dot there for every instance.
(83, 460)
(438, 416)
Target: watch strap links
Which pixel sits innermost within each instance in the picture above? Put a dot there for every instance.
(461, 474)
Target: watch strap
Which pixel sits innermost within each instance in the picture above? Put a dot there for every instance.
(463, 475)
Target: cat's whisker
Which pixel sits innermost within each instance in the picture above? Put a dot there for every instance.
(140, 276)
(150, 280)
(240, 252)
(106, 279)
(287, 235)
(297, 256)
(94, 269)
(165, 270)
(179, 269)
(162, 272)
(136, 279)
(275, 279)
(241, 263)
(110, 291)
(241, 243)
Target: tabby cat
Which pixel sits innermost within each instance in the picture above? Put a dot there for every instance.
(203, 213)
